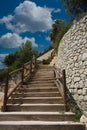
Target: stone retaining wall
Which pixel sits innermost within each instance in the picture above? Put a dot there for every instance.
(72, 55)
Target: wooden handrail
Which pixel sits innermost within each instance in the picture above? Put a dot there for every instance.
(13, 90)
(60, 80)
(25, 72)
(15, 71)
(27, 63)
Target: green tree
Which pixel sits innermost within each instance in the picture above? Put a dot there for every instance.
(56, 28)
(74, 7)
(18, 58)
(26, 52)
(23, 55)
(10, 59)
(59, 28)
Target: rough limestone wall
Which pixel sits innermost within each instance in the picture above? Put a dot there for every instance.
(72, 55)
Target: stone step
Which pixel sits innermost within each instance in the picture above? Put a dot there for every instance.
(43, 74)
(42, 89)
(40, 125)
(40, 85)
(38, 116)
(42, 82)
(36, 107)
(39, 78)
(43, 79)
(37, 87)
(48, 100)
(36, 94)
(45, 67)
(44, 70)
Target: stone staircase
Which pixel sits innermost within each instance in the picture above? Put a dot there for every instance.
(38, 105)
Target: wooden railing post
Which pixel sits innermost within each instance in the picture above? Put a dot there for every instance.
(54, 73)
(22, 76)
(35, 63)
(30, 67)
(5, 93)
(65, 89)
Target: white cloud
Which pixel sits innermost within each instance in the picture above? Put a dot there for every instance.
(29, 17)
(48, 38)
(2, 56)
(13, 40)
(0, 63)
(57, 10)
(6, 19)
(49, 9)
(41, 45)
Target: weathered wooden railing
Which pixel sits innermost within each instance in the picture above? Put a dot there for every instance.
(60, 80)
(16, 78)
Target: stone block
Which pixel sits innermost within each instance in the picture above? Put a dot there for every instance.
(84, 91)
(80, 92)
(80, 98)
(76, 79)
(75, 96)
(85, 98)
(84, 57)
(75, 58)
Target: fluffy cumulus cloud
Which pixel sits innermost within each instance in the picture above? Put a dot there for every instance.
(13, 40)
(57, 10)
(28, 17)
(48, 38)
(2, 65)
(2, 56)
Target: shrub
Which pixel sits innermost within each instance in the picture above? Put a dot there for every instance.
(47, 61)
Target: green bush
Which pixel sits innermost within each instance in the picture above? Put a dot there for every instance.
(47, 61)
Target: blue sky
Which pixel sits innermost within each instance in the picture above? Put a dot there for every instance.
(22, 20)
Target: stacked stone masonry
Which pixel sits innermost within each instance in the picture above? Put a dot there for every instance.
(72, 56)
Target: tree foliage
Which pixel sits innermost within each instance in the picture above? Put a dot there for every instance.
(74, 7)
(60, 27)
(23, 55)
(10, 59)
(60, 35)
(56, 28)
